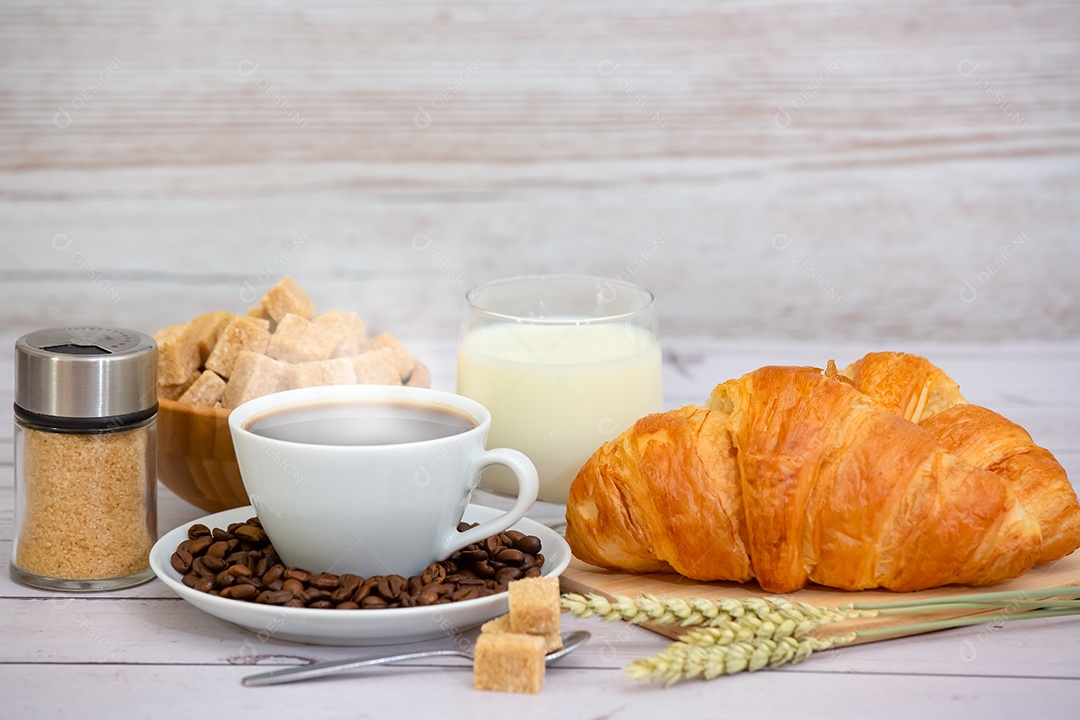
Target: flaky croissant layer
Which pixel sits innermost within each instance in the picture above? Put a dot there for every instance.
(792, 475)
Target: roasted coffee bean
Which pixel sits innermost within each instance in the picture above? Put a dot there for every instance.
(215, 564)
(492, 545)
(275, 597)
(426, 598)
(474, 555)
(341, 594)
(197, 530)
(314, 594)
(460, 577)
(200, 544)
(199, 566)
(324, 581)
(190, 579)
(240, 592)
(433, 573)
(507, 574)
(181, 561)
(510, 556)
(204, 584)
(414, 584)
(528, 544)
(390, 586)
(239, 569)
(514, 536)
(185, 546)
(463, 526)
(439, 589)
(321, 605)
(219, 549)
(294, 603)
(224, 579)
(366, 588)
(539, 559)
(275, 585)
(261, 566)
(350, 581)
(465, 593)
(250, 533)
(232, 528)
(484, 569)
(532, 572)
(275, 573)
(219, 534)
(347, 605)
(254, 581)
(297, 574)
(293, 585)
(373, 601)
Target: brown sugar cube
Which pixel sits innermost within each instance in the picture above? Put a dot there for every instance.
(338, 371)
(172, 392)
(297, 340)
(265, 323)
(501, 624)
(509, 662)
(534, 605)
(178, 355)
(376, 367)
(206, 390)
(254, 375)
(241, 334)
(350, 326)
(403, 359)
(259, 313)
(287, 298)
(205, 330)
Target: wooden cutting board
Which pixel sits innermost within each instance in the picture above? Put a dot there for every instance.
(580, 577)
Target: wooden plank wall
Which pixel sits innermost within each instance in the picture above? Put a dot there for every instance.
(874, 172)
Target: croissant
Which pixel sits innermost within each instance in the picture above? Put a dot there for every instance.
(792, 475)
(914, 388)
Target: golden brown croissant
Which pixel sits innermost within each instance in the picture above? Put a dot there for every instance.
(911, 386)
(789, 476)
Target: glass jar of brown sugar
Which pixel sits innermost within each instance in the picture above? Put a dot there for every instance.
(85, 502)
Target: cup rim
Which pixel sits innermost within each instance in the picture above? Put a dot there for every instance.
(244, 412)
(646, 294)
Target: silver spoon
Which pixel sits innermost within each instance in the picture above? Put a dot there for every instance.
(571, 642)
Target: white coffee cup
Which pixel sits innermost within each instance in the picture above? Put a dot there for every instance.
(382, 502)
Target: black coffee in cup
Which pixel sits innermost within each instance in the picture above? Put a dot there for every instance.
(360, 422)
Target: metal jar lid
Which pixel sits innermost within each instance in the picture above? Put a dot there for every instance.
(86, 372)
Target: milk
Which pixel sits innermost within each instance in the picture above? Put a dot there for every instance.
(556, 392)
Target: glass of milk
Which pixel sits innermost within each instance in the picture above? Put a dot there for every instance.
(564, 363)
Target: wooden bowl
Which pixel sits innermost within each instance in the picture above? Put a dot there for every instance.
(195, 456)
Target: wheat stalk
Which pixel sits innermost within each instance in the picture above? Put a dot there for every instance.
(733, 636)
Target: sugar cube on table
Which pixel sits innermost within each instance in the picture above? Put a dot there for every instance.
(509, 662)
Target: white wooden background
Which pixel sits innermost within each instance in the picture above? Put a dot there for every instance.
(795, 181)
(826, 169)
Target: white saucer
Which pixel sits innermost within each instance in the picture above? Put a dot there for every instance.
(351, 627)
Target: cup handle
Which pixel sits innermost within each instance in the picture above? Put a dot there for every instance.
(528, 487)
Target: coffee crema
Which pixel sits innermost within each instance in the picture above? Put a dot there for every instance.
(360, 422)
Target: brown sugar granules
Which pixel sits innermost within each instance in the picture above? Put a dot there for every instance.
(88, 513)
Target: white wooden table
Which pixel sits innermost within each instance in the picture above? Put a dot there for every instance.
(144, 653)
